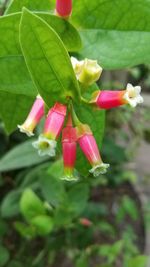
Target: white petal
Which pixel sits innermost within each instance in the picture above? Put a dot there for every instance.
(49, 149)
(24, 130)
(99, 169)
(132, 95)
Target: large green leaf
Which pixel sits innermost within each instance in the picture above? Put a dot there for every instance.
(23, 155)
(35, 5)
(47, 60)
(17, 91)
(117, 33)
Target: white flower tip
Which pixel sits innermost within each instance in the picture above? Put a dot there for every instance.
(99, 169)
(69, 178)
(132, 95)
(23, 129)
(45, 146)
(38, 96)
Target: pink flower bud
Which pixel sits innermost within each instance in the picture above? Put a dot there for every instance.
(34, 117)
(69, 151)
(63, 8)
(46, 143)
(89, 147)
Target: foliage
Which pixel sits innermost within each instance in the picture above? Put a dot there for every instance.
(43, 214)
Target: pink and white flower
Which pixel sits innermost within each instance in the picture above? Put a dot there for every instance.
(90, 149)
(112, 99)
(46, 143)
(34, 117)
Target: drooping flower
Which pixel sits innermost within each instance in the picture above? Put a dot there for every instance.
(34, 117)
(64, 8)
(112, 99)
(89, 147)
(46, 142)
(87, 71)
(69, 151)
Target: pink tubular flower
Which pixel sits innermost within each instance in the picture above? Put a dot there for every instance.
(46, 143)
(69, 151)
(112, 99)
(34, 117)
(63, 8)
(89, 147)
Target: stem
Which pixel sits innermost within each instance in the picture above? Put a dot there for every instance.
(75, 119)
(85, 101)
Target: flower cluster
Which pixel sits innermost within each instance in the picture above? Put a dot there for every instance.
(75, 132)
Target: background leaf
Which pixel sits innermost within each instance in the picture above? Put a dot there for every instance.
(116, 33)
(47, 59)
(23, 155)
(31, 205)
(51, 185)
(10, 204)
(35, 5)
(4, 255)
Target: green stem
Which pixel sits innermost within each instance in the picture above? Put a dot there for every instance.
(75, 119)
(85, 101)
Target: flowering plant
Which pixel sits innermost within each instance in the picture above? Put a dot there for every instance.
(62, 83)
(52, 56)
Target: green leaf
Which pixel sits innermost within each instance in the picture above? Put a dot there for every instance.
(31, 205)
(16, 85)
(24, 230)
(66, 31)
(22, 156)
(43, 224)
(96, 120)
(17, 91)
(52, 187)
(73, 204)
(35, 5)
(47, 60)
(10, 204)
(116, 33)
(138, 261)
(4, 256)
(77, 198)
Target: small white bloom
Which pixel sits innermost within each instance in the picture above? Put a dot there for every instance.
(99, 169)
(77, 65)
(132, 95)
(87, 71)
(45, 146)
(26, 130)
